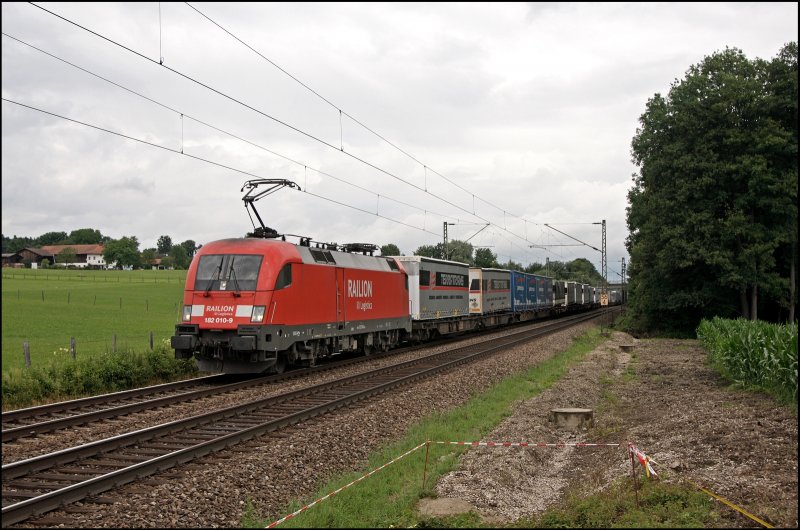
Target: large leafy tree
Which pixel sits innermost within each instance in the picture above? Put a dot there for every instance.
(485, 258)
(429, 251)
(712, 213)
(180, 258)
(51, 238)
(164, 244)
(460, 251)
(66, 256)
(85, 236)
(123, 252)
(15, 244)
(390, 249)
(190, 247)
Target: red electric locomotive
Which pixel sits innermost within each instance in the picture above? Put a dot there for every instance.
(263, 305)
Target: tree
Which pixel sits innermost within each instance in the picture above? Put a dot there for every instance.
(485, 258)
(85, 236)
(164, 245)
(180, 258)
(460, 251)
(66, 256)
(148, 255)
(51, 238)
(582, 270)
(712, 215)
(512, 266)
(190, 247)
(123, 252)
(390, 250)
(430, 251)
(15, 244)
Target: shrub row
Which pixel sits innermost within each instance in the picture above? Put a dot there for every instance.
(753, 353)
(107, 372)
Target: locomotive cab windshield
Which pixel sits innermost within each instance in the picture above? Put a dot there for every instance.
(227, 272)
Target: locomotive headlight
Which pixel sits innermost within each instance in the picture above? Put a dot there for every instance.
(187, 313)
(258, 313)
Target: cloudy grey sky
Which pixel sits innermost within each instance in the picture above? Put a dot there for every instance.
(408, 115)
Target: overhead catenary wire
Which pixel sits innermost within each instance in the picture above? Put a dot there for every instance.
(250, 107)
(304, 133)
(183, 115)
(357, 121)
(201, 159)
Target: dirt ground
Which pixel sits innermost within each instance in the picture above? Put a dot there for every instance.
(661, 396)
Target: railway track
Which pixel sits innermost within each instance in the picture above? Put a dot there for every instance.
(37, 485)
(33, 421)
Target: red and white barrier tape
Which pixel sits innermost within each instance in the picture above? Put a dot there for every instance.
(527, 444)
(633, 450)
(307, 506)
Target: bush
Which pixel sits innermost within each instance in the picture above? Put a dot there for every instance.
(110, 372)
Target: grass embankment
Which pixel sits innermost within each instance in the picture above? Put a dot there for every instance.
(92, 375)
(388, 498)
(47, 307)
(754, 355)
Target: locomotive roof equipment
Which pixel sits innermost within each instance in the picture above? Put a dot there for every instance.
(249, 198)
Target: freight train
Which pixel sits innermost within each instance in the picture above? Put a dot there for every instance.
(263, 305)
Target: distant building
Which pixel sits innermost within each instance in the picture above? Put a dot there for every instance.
(86, 256)
(12, 260)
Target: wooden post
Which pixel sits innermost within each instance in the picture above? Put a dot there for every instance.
(95, 299)
(633, 473)
(425, 470)
(120, 302)
(151, 341)
(72, 348)
(26, 351)
(42, 295)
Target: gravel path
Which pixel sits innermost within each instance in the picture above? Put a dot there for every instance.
(662, 397)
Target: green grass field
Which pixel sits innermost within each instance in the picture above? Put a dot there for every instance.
(47, 307)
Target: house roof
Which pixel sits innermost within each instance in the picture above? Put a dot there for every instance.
(37, 251)
(78, 249)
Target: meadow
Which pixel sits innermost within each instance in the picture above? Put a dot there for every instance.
(48, 307)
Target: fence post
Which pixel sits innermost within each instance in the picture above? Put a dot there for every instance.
(95, 299)
(151, 341)
(26, 351)
(72, 348)
(120, 302)
(42, 295)
(114, 344)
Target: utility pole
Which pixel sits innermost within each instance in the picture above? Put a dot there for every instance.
(623, 279)
(605, 257)
(444, 247)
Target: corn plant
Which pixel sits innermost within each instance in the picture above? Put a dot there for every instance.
(753, 354)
